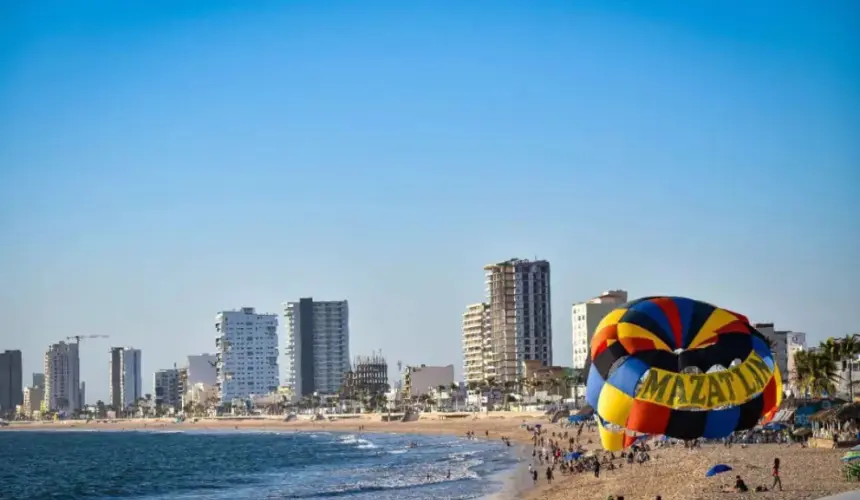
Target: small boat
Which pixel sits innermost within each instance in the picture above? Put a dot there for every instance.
(412, 445)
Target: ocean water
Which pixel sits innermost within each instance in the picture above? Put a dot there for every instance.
(150, 465)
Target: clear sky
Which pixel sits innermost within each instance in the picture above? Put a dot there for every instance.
(159, 164)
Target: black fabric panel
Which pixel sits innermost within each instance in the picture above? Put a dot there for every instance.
(700, 314)
(750, 413)
(608, 357)
(663, 360)
(686, 424)
(728, 347)
(645, 321)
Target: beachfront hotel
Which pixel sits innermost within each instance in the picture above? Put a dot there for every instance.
(586, 316)
(63, 377)
(126, 381)
(246, 354)
(477, 346)
(317, 345)
(518, 293)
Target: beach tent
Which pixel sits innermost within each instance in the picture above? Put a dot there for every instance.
(717, 469)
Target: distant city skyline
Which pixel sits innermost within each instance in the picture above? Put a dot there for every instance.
(163, 163)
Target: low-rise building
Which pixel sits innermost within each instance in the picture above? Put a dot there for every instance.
(419, 380)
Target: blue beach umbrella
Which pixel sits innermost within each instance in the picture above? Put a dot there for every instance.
(775, 426)
(572, 456)
(717, 469)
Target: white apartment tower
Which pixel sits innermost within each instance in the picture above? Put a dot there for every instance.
(585, 317)
(317, 345)
(246, 354)
(126, 381)
(520, 315)
(477, 343)
(63, 378)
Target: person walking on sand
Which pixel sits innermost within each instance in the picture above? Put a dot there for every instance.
(534, 476)
(549, 475)
(776, 478)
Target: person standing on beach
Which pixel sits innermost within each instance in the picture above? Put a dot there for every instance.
(534, 476)
(596, 468)
(776, 478)
(549, 475)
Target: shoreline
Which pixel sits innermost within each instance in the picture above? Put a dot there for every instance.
(513, 481)
(675, 473)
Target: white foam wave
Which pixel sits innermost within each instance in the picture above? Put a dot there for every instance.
(360, 443)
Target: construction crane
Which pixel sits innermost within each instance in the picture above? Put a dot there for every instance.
(77, 338)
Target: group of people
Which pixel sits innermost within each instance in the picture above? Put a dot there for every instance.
(741, 487)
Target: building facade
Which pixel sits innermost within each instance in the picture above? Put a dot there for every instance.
(585, 316)
(63, 378)
(11, 381)
(779, 341)
(246, 354)
(477, 344)
(167, 385)
(34, 397)
(796, 342)
(317, 345)
(126, 379)
(39, 380)
(520, 315)
(369, 375)
(418, 380)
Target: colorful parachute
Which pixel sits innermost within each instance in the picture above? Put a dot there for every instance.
(681, 368)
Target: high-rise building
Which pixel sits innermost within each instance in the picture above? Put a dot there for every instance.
(126, 380)
(11, 381)
(167, 385)
(477, 344)
(585, 316)
(369, 376)
(201, 369)
(317, 345)
(39, 380)
(520, 315)
(63, 378)
(247, 353)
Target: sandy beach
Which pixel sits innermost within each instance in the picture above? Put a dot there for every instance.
(674, 473)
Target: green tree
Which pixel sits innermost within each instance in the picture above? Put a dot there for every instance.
(844, 351)
(815, 373)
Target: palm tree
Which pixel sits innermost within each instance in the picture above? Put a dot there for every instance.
(815, 373)
(844, 351)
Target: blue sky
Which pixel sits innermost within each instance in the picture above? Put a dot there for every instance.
(159, 164)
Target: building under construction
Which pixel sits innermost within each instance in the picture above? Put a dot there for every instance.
(369, 375)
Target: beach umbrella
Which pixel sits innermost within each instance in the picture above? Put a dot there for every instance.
(851, 456)
(802, 432)
(717, 469)
(775, 426)
(572, 456)
(856, 448)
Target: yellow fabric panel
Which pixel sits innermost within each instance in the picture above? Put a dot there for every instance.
(718, 319)
(734, 386)
(611, 440)
(628, 330)
(613, 317)
(613, 405)
(779, 389)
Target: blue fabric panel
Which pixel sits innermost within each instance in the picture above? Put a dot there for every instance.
(593, 386)
(761, 348)
(626, 375)
(656, 313)
(721, 423)
(685, 311)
